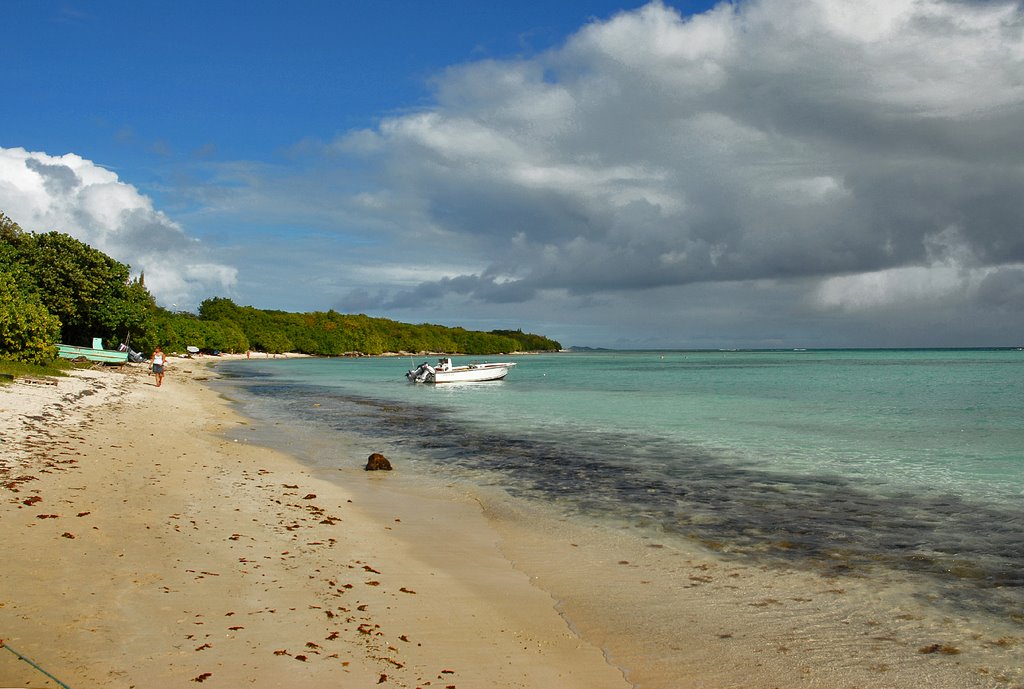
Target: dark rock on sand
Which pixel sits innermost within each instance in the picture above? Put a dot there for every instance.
(378, 462)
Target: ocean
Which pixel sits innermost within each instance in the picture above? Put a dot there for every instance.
(854, 463)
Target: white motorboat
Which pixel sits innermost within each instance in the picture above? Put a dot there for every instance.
(444, 372)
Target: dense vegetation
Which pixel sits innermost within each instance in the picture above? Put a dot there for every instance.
(54, 288)
(332, 333)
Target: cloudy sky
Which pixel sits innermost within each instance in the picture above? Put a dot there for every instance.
(760, 173)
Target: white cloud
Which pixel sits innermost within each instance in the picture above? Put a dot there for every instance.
(910, 287)
(69, 194)
(821, 145)
(953, 275)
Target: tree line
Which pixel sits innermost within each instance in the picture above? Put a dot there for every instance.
(55, 288)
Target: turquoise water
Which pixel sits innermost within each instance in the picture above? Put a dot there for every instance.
(912, 460)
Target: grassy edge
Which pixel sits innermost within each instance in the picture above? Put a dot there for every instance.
(12, 370)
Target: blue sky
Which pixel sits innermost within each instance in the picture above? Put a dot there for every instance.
(757, 173)
(135, 85)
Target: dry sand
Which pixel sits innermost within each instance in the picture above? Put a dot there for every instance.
(144, 548)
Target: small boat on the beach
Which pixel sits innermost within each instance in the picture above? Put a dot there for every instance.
(96, 353)
(444, 372)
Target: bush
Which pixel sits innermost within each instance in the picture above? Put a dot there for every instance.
(27, 330)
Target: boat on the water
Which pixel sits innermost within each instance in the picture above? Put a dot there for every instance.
(96, 353)
(444, 372)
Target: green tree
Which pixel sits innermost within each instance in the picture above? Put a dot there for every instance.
(12, 242)
(529, 342)
(226, 336)
(27, 330)
(91, 293)
(275, 342)
(219, 308)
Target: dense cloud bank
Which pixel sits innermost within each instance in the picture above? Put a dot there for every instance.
(868, 155)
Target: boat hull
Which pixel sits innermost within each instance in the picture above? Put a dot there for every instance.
(473, 374)
(446, 373)
(102, 356)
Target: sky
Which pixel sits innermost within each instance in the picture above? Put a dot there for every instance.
(746, 174)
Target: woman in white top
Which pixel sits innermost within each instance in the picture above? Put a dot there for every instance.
(158, 366)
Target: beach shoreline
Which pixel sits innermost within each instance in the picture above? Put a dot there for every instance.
(154, 551)
(193, 553)
(669, 609)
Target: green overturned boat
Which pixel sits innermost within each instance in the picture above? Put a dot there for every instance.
(95, 353)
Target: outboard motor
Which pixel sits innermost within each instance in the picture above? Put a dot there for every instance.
(133, 356)
(421, 374)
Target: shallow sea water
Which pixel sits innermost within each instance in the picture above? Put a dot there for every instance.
(902, 469)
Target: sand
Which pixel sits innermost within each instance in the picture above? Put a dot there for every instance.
(144, 547)
(149, 543)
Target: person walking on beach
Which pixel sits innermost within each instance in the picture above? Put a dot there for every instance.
(158, 365)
